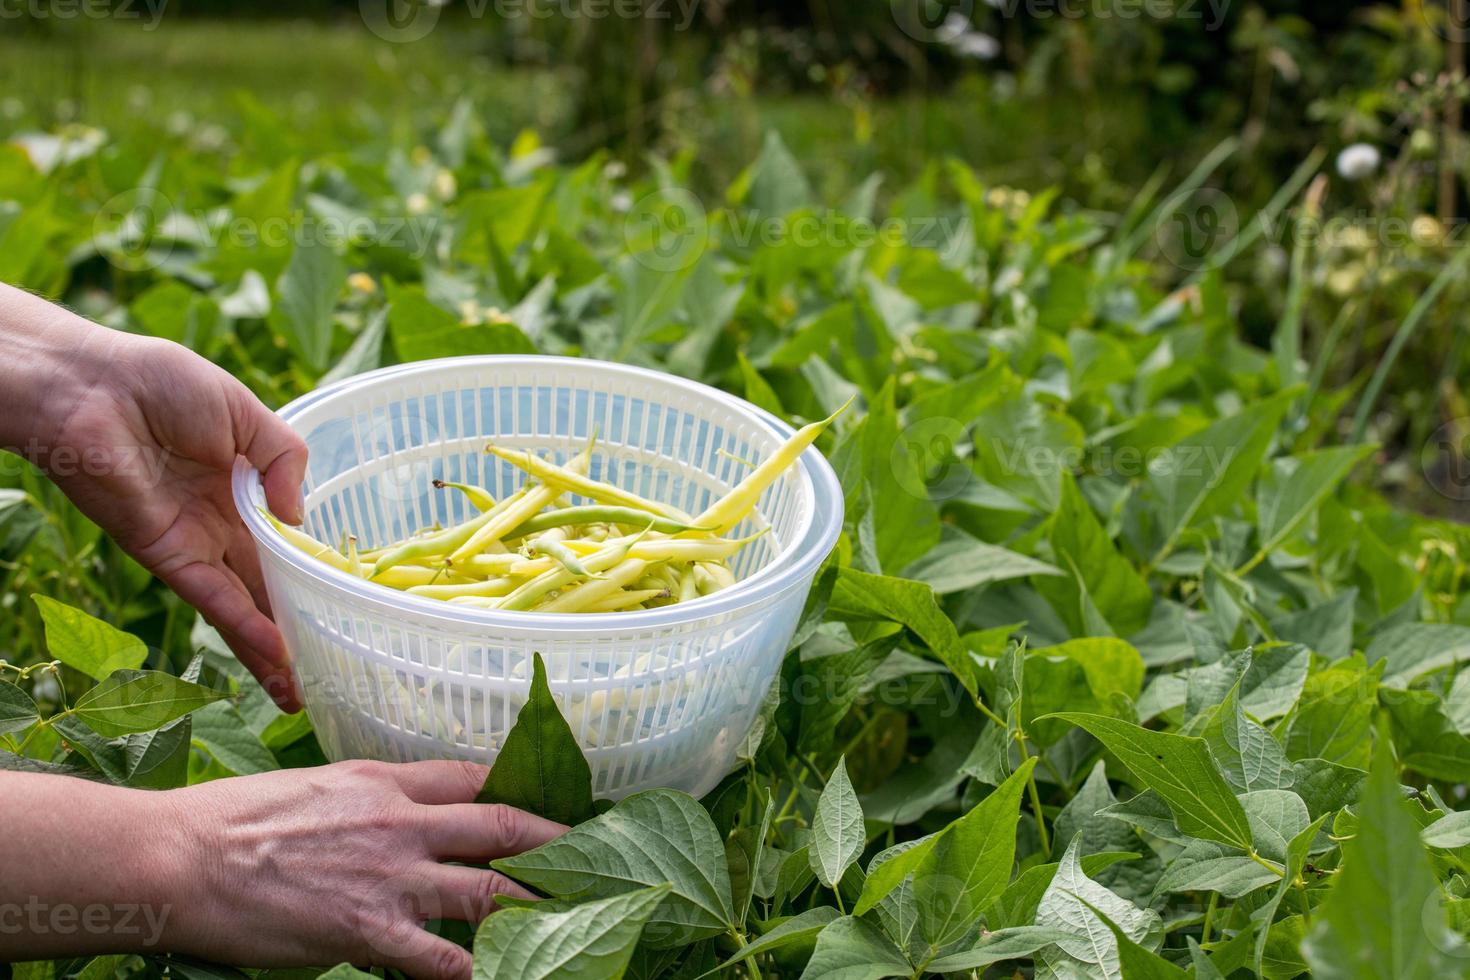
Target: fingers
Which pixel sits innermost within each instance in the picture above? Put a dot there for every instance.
(439, 782)
(471, 894)
(483, 832)
(428, 957)
(228, 606)
(274, 449)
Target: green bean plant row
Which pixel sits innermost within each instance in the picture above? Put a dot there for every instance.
(1121, 666)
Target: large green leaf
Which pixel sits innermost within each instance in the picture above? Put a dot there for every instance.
(1081, 546)
(595, 939)
(1075, 904)
(17, 709)
(422, 331)
(1294, 486)
(86, 643)
(1206, 472)
(132, 701)
(1382, 917)
(1180, 770)
(306, 295)
(959, 563)
(1410, 650)
(1097, 675)
(960, 869)
(220, 730)
(541, 768)
(837, 828)
(861, 595)
(851, 949)
(647, 839)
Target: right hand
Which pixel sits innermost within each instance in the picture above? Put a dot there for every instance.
(312, 867)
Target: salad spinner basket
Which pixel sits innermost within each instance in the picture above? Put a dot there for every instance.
(658, 697)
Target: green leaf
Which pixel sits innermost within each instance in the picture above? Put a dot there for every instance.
(837, 828)
(1382, 917)
(1410, 650)
(1294, 487)
(1179, 769)
(1206, 473)
(959, 563)
(861, 595)
(139, 701)
(17, 710)
(851, 949)
(1080, 544)
(1019, 942)
(649, 838)
(1449, 831)
(160, 759)
(1072, 903)
(1093, 675)
(86, 643)
(776, 185)
(1248, 754)
(541, 768)
(595, 939)
(1017, 905)
(878, 452)
(1334, 717)
(960, 869)
(1231, 876)
(422, 331)
(1134, 961)
(307, 295)
(1297, 851)
(797, 929)
(220, 730)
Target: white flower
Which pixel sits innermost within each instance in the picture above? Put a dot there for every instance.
(1358, 161)
(445, 186)
(417, 203)
(975, 44)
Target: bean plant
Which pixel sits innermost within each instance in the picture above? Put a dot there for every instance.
(1121, 667)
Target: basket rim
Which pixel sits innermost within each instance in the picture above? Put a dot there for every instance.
(795, 562)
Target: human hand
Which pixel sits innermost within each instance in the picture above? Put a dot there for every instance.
(344, 863)
(142, 434)
(300, 867)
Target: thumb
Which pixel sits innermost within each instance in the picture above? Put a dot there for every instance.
(273, 448)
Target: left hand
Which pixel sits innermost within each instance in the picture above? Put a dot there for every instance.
(144, 442)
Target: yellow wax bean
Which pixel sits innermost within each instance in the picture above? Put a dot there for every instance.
(534, 500)
(305, 542)
(732, 508)
(577, 482)
(489, 587)
(626, 600)
(576, 599)
(712, 577)
(688, 588)
(527, 594)
(479, 497)
(501, 563)
(445, 542)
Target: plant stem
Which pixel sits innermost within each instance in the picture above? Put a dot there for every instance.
(1279, 872)
(1035, 798)
(1204, 936)
(1452, 270)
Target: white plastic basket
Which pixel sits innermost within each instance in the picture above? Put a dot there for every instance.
(661, 697)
